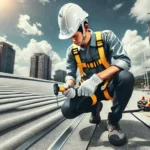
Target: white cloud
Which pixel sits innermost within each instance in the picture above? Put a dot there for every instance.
(136, 47)
(38, 24)
(40, 47)
(21, 70)
(44, 1)
(140, 10)
(117, 6)
(23, 56)
(3, 38)
(33, 47)
(26, 28)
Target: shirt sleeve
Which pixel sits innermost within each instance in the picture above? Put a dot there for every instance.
(117, 52)
(71, 66)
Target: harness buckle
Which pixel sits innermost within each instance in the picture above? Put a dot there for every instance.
(99, 43)
(105, 84)
(103, 87)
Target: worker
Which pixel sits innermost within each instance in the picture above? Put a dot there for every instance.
(103, 65)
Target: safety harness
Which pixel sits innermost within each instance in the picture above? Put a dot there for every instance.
(101, 61)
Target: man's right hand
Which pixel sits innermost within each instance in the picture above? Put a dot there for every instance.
(70, 91)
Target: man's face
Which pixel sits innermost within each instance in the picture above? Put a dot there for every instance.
(77, 38)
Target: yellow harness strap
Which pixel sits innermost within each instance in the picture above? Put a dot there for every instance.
(104, 62)
(77, 58)
(99, 44)
(80, 66)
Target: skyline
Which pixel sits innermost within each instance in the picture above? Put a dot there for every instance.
(31, 27)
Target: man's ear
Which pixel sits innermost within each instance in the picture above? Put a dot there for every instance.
(86, 26)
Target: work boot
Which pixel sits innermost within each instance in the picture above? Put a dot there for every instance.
(116, 136)
(95, 116)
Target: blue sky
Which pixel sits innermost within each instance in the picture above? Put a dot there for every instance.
(28, 24)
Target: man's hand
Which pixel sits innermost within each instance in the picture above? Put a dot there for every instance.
(70, 92)
(89, 86)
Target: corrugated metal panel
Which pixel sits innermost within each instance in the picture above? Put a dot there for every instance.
(30, 119)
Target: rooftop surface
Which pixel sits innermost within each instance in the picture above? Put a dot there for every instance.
(31, 120)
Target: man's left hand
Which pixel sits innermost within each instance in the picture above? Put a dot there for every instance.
(89, 86)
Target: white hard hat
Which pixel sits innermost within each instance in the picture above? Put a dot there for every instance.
(70, 17)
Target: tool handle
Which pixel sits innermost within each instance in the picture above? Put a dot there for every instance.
(62, 89)
(58, 89)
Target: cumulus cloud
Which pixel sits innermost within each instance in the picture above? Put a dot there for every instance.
(140, 10)
(23, 56)
(21, 70)
(118, 6)
(3, 38)
(136, 47)
(33, 47)
(44, 1)
(38, 24)
(40, 47)
(28, 29)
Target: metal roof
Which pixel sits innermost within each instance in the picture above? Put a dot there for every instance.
(31, 120)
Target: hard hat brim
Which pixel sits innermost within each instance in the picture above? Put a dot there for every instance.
(61, 36)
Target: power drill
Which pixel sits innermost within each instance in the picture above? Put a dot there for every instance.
(62, 89)
(58, 89)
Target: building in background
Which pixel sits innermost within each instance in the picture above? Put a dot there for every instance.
(7, 58)
(60, 75)
(41, 66)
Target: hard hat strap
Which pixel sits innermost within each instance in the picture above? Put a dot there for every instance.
(84, 36)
